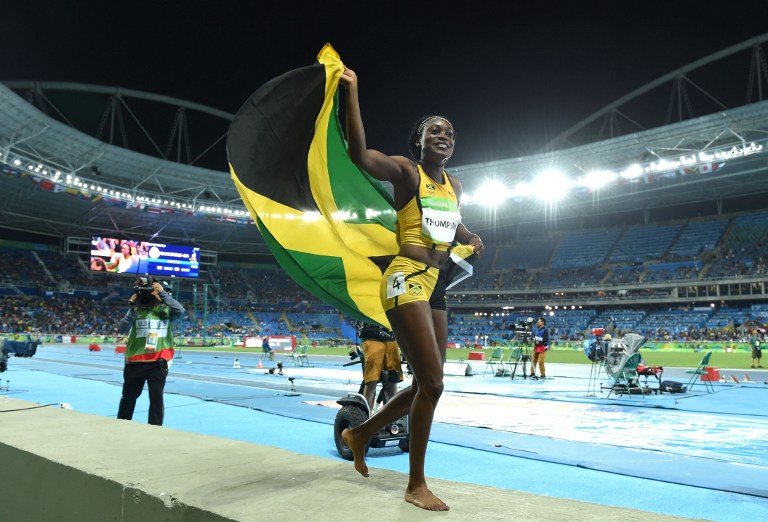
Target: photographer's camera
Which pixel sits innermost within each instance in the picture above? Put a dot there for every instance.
(524, 329)
(143, 289)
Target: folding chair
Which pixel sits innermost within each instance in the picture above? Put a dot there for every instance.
(295, 356)
(514, 360)
(302, 357)
(494, 360)
(697, 372)
(624, 377)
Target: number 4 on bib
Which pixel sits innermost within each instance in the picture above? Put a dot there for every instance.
(395, 285)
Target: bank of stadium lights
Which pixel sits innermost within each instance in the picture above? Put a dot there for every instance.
(492, 193)
(553, 185)
(229, 212)
(105, 190)
(550, 309)
(597, 179)
(76, 182)
(550, 185)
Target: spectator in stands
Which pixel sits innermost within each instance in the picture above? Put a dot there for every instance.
(381, 355)
(149, 348)
(540, 348)
(757, 352)
(422, 191)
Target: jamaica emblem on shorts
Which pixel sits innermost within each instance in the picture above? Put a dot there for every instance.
(415, 289)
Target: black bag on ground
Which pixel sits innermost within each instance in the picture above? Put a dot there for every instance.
(671, 387)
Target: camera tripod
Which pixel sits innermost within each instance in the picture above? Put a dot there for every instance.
(598, 362)
(524, 355)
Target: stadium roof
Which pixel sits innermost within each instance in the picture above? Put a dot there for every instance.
(155, 187)
(143, 188)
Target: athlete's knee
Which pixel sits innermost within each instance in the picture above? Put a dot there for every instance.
(432, 388)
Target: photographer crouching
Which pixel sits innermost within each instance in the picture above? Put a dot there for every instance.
(149, 347)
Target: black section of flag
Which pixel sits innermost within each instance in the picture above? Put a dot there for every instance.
(269, 138)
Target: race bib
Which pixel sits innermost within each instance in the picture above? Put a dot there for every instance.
(439, 225)
(395, 285)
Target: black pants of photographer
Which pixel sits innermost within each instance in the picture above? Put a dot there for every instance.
(134, 377)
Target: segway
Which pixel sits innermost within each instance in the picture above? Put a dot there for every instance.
(354, 411)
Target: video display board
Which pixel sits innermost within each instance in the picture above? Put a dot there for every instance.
(127, 256)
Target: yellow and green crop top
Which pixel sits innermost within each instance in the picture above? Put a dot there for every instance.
(431, 218)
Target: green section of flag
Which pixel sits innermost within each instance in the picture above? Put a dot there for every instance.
(366, 193)
(308, 270)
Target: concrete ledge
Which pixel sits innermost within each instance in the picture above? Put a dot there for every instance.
(60, 465)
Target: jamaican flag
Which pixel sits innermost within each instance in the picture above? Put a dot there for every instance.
(330, 226)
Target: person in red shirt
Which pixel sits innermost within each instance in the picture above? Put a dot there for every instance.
(540, 348)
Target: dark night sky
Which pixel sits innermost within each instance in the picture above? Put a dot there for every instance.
(511, 75)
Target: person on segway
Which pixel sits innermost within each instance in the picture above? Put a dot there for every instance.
(382, 362)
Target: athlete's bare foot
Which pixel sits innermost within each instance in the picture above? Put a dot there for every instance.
(425, 499)
(358, 451)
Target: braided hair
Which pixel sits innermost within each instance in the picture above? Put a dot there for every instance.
(418, 127)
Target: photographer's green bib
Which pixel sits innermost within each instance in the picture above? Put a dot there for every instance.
(151, 336)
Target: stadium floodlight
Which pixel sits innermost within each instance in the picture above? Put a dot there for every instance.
(492, 193)
(525, 189)
(597, 179)
(552, 185)
(632, 172)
